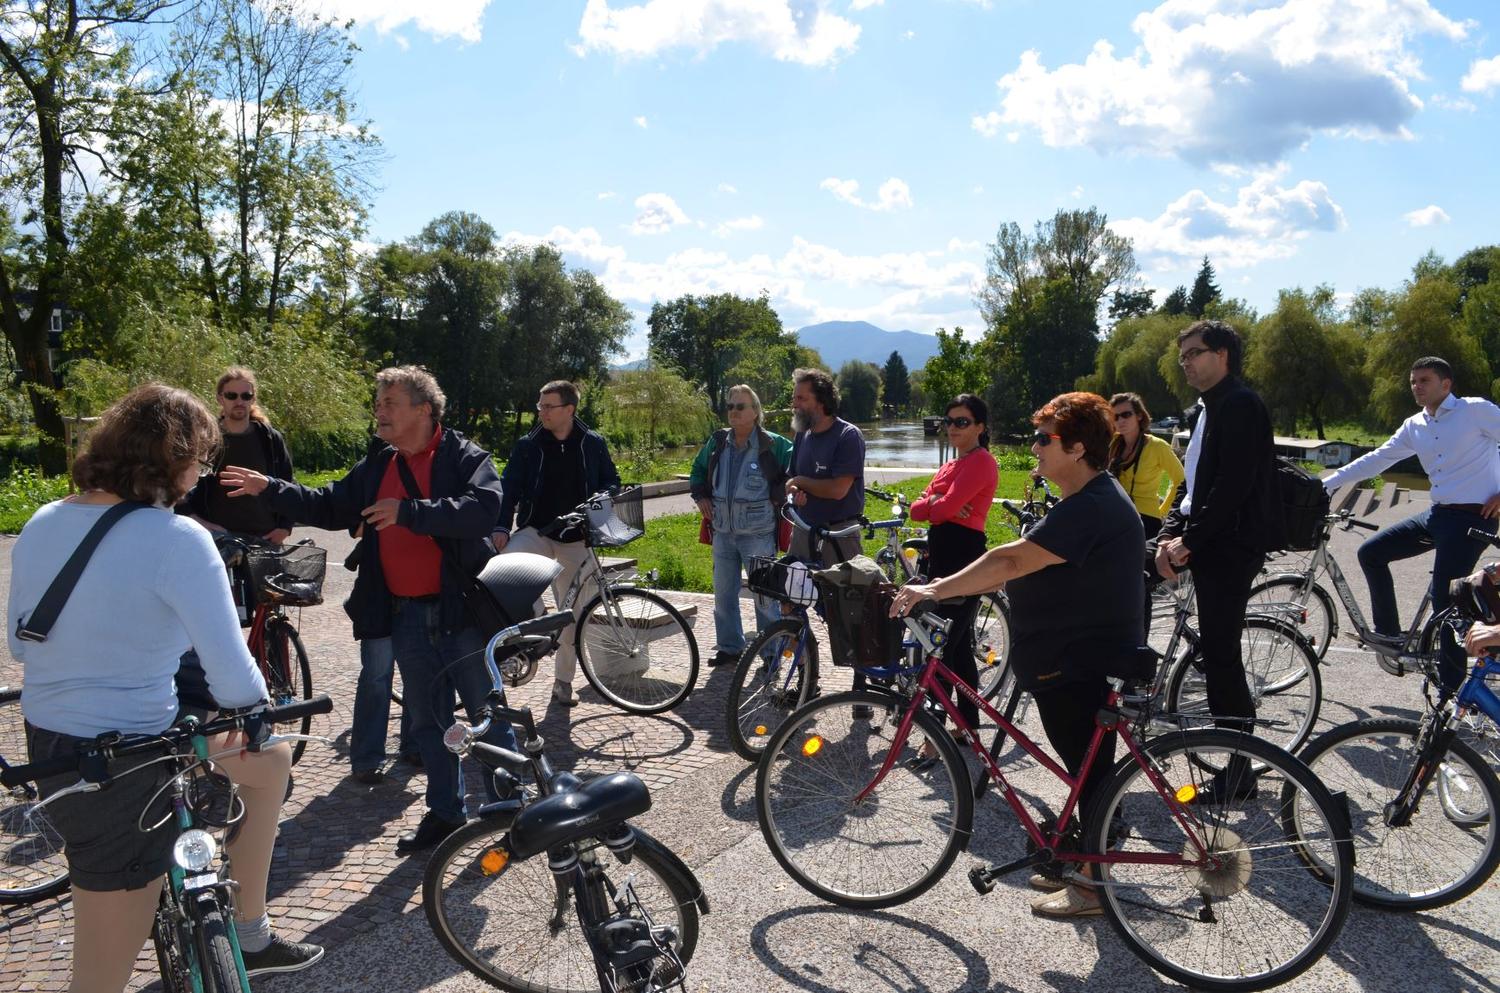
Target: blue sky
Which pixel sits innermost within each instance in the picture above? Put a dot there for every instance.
(853, 158)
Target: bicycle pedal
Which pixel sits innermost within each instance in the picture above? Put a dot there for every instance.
(981, 880)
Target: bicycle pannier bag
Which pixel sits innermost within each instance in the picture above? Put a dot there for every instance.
(1304, 504)
(856, 599)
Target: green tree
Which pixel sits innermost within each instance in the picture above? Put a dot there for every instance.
(1039, 350)
(1430, 266)
(1305, 363)
(955, 368)
(702, 338)
(1130, 360)
(1370, 310)
(1076, 246)
(1176, 302)
(1204, 292)
(1422, 323)
(897, 383)
(1130, 303)
(652, 402)
(768, 370)
(859, 391)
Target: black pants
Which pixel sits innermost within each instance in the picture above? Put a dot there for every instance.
(1152, 527)
(1067, 714)
(951, 548)
(1222, 581)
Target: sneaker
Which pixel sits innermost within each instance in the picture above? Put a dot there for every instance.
(563, 694)
(1046, 883)
(369, 777)
(722, 658)
(281, 956)
(1388, 642)
(428, 834)
(1070, 901)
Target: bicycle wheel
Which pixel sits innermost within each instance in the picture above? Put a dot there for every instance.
(32, 866)
(1285, 681)
(769, 683)
(288, 673)
(216, 955)
(1479, 733)
(992, 645)
(172, 958)
(1431, 861)
(1311, 611)
(1249, 913)
(890, 847)
(637, 650)
(512, 923)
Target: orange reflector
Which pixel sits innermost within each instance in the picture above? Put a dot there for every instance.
(812, 745)
(493, 861)
(990, 657)
(786, 653)
(760, 729)
(1186, 794)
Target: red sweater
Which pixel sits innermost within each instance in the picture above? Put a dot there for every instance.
(412, 563)
(969, 479)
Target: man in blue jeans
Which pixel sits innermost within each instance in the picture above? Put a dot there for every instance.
(1455, 439)
(428, 500)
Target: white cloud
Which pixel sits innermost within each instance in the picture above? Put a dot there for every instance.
(727, 188)
(803, 31)
(893, 194)
(863, 4)
(729, 227)
(1230, 80)
(908, 35)
(1266, 221)
(607, 195)
(1483, 76)
(462, 19)
(641, 121)
(1077, 192)
(1453, 103)
(1426, 217)
(585, 244)
(657, 214)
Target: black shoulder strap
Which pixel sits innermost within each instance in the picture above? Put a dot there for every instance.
(38, 624)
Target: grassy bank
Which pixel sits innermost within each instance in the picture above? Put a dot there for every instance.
(671, 543)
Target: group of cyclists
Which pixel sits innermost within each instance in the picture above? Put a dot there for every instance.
(428, 510)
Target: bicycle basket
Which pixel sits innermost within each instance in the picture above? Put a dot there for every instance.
(783, 579)
(618, 519)
(290, 575)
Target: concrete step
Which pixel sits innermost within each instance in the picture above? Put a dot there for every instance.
(611, 564)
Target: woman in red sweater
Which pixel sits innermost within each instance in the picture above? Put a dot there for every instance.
(956, 502)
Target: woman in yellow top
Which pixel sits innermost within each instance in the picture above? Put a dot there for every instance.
(1139, 460)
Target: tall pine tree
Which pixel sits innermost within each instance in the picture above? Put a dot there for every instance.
(897, 383)
(1205, 290)
(1176, 302)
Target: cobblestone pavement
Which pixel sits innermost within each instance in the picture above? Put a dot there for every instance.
(337, 880)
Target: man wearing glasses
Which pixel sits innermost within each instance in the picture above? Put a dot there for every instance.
(1227, 520)
(560, 464)
(249, 442)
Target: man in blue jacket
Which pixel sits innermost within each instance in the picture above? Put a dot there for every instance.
(413, 550)
(560, 464)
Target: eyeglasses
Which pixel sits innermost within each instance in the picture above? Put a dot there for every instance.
(736, 406)
(958, 422)
(1191, 354)
(205, 468)
(543, 407)
(1042, 439)
(1124, 415)
(231, 396)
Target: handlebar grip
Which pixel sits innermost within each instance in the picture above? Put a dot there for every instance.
(10, 694)
(1476, 533)
(880, 494)
(287, 713)
(1363, 525)
(1011, 506)
(15, 775)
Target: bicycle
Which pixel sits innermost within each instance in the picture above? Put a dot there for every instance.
(197, 947)
(636, 650)
(32, 866)
(551, 888)
(854, 814)
(267, 579)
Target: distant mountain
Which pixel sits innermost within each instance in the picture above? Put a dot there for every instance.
(840, 341)
(631, 366)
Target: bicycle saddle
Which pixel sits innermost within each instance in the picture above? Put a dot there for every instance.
(565, 817)
(516, 580)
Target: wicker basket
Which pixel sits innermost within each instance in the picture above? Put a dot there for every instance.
(289, 575)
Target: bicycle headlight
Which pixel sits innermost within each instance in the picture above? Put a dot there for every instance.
(194, 850)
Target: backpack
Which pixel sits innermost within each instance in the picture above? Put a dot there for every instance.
(856, 599)
(1304, 505)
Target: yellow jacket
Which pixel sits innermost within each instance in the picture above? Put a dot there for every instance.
(1143, 480)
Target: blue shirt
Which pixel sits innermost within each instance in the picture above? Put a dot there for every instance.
(154, 588)
(1456, 446)
(839, 450)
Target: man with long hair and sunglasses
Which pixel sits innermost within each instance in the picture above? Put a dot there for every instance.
(249, 441)
(1227, 520)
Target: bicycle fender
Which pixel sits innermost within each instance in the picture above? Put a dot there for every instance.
(678, 867)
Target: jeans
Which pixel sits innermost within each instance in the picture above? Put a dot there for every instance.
(732, 552)
(1442, 527)
(372, 707)
(434, 666)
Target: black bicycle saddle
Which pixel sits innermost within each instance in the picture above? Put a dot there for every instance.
(585, 811)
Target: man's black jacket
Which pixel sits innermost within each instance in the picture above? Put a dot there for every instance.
(460, 513)
(278, 463)
(1236, 509)
(523, 474)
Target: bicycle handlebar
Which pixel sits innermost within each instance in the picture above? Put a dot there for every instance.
(10, 694)
(790, 510)
(91, 757)
(1477, 534)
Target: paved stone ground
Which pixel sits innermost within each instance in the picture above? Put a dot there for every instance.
(337, 880)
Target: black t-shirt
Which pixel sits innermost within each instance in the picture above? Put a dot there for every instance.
(242, 514)
(562, 484)
(1081, 619)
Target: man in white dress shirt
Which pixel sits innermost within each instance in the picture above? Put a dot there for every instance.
(1455, 439)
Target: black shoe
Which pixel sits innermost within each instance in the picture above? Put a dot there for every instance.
(1227, 787)
(1394, 642)
(722, 658)
(281, 956)
(432, 830)
(864, 712)
(413, 759)
(369, 777)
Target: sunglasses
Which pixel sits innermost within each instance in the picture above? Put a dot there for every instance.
(1124, 415)
(958, 422)
(736, 406)
(232, 396)
(1042, 439)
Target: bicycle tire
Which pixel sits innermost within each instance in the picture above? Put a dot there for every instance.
(532, 952)
(1320, 621)
(645, 665)
(992, 645)
(1479, 733)
(32, 864)
(1432, 861)
(1285, 680)
(286, 682)
(216, 954)
(937, 798)
(769, 691)
(1176, 916)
